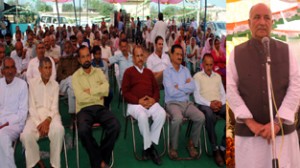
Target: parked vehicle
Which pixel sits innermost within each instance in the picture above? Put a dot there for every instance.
(218, 28)
(53, 20)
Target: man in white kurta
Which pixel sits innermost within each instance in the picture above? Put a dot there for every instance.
(44, 118)
(21, 58)
(13, 111)
(33, 65)
(158, 61)
(160, 29)
(255, 151)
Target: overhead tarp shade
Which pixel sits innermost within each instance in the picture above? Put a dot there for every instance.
(115, 1)
(167, 1)
(59, 1)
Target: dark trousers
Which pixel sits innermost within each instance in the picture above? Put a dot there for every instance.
(85, 120)
(138, 37)
(210, 122)
(133, 34)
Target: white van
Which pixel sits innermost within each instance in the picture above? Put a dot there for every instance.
(53, 20)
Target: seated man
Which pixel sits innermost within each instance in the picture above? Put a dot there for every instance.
(210, 97)
(44, 118)
(158, 61)
(123, 59)
(65, 69)
(2, 56)
(21, 58)
(13, 110)
(179, 85)
(90, 86)
(33, 65)
(141, 91)
(98, 62)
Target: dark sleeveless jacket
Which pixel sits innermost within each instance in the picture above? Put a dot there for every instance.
(250, 61)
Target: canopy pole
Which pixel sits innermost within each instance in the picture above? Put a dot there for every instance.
(75, 13)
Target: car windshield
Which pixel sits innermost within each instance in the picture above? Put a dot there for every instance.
(63, 20)
(221, 26)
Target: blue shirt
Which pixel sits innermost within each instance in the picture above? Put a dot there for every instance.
(122, 62)
(171, 77)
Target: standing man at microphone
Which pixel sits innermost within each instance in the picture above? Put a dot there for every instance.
(247, 94)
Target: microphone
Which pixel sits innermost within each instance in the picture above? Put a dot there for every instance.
(266, 43)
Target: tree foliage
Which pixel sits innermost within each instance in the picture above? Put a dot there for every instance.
(43, 7)
(68, 7)
(103, 8)
(153, 12)
(11, 2)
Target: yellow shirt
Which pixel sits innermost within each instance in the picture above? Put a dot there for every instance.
(97, 84)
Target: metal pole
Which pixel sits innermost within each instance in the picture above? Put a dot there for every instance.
(199, 13)
(59, 29)
(143, 9)
(75, 13)
(1, 8)
(87, 11)
(270, 88)
(17, 20)
(183, 10)
(80, 12)
(205, 10)
(158, 6)
(58, 17)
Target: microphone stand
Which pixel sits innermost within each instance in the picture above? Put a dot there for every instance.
(269, 83)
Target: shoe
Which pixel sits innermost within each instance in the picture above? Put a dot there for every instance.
(41, 164)
(155, 156)
(173, 154)
(145, 154)
(104, 165)
(218, 158)
(223, 152)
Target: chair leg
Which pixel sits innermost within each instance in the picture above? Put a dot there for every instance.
(77, 147)
(112, 159)
(133, 140)
(164, 139)
(65, 152)
(205, 140)
(73, 136)
(168, 135)
(126, 123)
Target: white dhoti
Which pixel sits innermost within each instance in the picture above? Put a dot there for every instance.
(65, 87)
(8, 134)
(142, 114)
(255, 152)
(30, 136)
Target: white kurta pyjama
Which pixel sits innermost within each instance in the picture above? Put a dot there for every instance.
(13, 109)
(43, 102)
(160, 29)
(142, 114)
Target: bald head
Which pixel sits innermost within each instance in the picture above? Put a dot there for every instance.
(260, 6)
(260, 21)
(19, 48)
(47, 42)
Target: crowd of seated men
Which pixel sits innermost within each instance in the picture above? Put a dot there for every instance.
(42, 64)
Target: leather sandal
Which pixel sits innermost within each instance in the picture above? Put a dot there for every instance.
(173, 154)
(192, 151)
